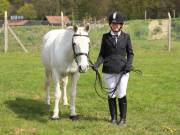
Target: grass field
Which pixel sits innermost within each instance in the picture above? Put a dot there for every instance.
(153, 98)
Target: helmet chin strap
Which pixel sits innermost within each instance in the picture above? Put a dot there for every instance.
(117, 30)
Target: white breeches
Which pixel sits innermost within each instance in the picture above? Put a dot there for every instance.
(111, 81)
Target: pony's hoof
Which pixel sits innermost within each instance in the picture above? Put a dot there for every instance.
(65, 104)
(74, 117)
(47, 103)
(54, 118)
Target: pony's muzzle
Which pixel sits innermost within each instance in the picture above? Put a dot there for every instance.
(83, 69)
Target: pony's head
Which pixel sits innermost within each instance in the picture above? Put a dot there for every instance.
(81, 43)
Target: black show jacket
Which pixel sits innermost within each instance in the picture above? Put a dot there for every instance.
(116, 56)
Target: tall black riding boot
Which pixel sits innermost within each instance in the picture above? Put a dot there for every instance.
(112, 109)
(123, 110)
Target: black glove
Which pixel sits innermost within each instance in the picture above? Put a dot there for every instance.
(95, 68)
(98, 63)
(128, 68)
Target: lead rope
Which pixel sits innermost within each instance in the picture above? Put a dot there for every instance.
(98, 78)
(112, 90)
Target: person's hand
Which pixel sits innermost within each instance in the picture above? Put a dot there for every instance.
(98, 62)
(128, 68)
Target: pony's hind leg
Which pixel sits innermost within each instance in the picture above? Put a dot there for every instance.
(47, 87)
(64, 86)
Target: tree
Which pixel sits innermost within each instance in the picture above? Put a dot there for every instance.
(27, 11)
(93, 8)
(80, 9)
(4, 6)
(47, 7)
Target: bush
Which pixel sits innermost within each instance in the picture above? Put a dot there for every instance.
(141, 33)
(157, 30)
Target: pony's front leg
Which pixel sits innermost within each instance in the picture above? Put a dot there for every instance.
(57, 94)
(75, 78)
(64, 86)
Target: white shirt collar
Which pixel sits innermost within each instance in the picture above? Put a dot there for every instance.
(113, 33)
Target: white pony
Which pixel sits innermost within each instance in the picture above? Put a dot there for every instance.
(65, 52)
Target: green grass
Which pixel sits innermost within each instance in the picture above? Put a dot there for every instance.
(153, 98)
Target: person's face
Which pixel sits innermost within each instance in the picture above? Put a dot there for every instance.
(116, 27)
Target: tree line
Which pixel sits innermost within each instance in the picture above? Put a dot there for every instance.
(83, 9)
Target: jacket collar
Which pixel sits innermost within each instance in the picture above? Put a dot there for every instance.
(120, 37)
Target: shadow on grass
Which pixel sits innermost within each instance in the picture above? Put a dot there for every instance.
(29, 109)
(84, 117)
(34, 110)
(92, 118)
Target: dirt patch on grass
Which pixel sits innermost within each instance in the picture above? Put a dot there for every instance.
(158, 29)
(19, 131)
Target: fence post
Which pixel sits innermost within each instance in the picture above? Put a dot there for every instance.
(174, 13)
(169, 32)
(6, 28)
(62, 19)
(5, 32)
(18, 40)
(145, 15)
(73, 18)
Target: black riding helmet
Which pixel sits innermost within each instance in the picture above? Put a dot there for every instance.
(115, 17)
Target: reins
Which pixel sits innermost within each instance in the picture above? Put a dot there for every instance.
(99, 79)
(104, 89)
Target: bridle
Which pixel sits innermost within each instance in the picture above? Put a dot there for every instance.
(79, 53)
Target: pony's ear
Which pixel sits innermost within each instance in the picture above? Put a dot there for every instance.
(75, 28)
(87, 27)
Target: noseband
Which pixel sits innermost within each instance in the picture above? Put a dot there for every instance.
(73, 46)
